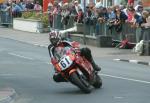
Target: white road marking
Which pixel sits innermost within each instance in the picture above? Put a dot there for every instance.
(21, 56)
(118, 97)
(129, 79)
(133, 61)
(49, 63)
(116, 59)
(1, 75)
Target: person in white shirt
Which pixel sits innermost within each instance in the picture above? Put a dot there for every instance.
(77, 6)
(98, 4)
(137, 6)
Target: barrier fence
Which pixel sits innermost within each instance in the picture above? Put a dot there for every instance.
(134, 35)
(5, 18)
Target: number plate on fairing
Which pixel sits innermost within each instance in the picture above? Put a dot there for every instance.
(65, 62)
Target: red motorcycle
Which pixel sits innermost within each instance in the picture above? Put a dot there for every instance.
(76, 69)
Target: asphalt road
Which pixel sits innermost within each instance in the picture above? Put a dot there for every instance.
(26, 68)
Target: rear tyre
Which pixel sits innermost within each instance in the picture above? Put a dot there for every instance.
(98, 82)
(81, 83)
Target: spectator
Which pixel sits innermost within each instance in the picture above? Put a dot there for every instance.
(98, 4)
(130, 2)
(120, 20)
(17, 9)
(37, 6)
(111, 13)
(55, 8)
(75, 9)
(140, 10)
(56, 15)
(77, 6)
(24, 2)
(130, 13)
(88, 15)
(80, 16)
(6, 13)
(60, 3)
(65, 15)
(50, 10)
(105, 14)
(111, 18)
(29, 5)
(90, 20)
(137, 6)
(145, 25)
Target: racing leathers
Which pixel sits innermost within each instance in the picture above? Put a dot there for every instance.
(86, 52)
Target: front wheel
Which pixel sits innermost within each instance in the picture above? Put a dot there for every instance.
(98, 82)
(80, 82)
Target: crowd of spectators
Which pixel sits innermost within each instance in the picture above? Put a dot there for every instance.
(16, 7)
(113, 16)
(93, 15)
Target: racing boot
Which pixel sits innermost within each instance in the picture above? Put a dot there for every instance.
(86, 52)
(95, 66)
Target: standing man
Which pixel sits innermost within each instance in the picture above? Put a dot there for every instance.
(77, 6)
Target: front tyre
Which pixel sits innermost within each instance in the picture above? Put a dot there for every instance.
(81, 83)
(98, 82)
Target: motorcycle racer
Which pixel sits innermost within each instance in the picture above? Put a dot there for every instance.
(56, 47)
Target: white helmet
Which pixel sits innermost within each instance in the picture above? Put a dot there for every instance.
(54, 37)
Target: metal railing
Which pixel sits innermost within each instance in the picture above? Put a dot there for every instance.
(5, 18)
(134, 35)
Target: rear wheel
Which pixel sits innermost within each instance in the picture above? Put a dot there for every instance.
(80, 82)
(98, 82)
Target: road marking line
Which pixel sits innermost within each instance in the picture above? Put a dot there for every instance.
(49, 63)
(133, 61)
(21, 56)
(116, 59)
(130, 79)
(6, 74)
(118, 97)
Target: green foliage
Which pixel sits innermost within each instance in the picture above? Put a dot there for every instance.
(27, 15)
(44, 19)
(36, 16)
(41, 2)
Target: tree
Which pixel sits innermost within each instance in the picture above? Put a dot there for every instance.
(40, 1)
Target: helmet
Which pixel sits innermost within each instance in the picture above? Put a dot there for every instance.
(54, 37)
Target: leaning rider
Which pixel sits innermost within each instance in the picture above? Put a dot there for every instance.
(57, 41)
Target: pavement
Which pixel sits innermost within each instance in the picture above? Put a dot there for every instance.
(41, 39)
(7, 95)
